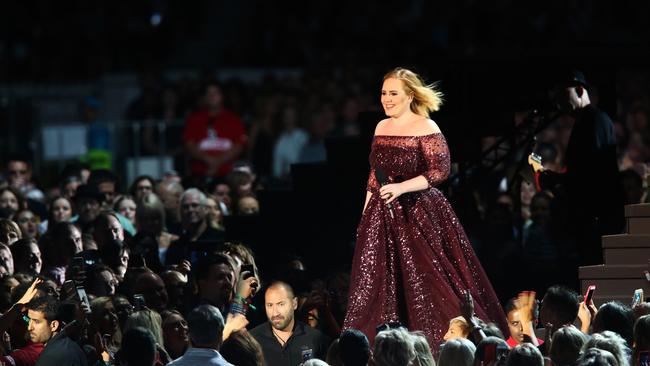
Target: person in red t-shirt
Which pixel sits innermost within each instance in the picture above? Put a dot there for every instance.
(521, 313)
(214, 137)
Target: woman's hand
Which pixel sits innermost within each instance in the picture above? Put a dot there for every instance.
(30, 293)
(390, 192)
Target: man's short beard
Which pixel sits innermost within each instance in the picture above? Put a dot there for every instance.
(284, 324)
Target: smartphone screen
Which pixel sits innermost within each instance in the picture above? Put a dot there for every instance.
(590, 294)
(638, 297)
(83, 300)
(138, 302)
(644, 358)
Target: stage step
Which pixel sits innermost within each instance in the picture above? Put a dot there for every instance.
(614, 281)
(638, 218)
(626, 249)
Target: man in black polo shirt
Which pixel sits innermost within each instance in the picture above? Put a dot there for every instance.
(285, 340)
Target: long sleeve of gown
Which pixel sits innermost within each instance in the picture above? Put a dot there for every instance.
(436, 156)
(372, 181)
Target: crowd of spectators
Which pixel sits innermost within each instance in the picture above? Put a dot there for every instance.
(141, 276)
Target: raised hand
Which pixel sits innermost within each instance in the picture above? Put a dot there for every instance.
(30, 293)
(467, 306)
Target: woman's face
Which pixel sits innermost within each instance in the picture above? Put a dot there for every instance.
(109, 323)
(214, 211)
(28, 224)
(123, 309)
(61, 210)
(9, 202)
(127, 208)
(394, 98)
(175, 330)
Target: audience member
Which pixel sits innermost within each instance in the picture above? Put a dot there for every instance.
(47, 326)
(27, 256)
(355, 348)
(616, 317)
(242, 349)
(458, 328)
(393, 347)
(9, 232)
(175, 333)
(457, 352)
(197, 234)
(611, 342)
(206, 330)
(525, 354)
(597, 357)
(283, 338)
(566, 345)
(138, 348)
(423, 354)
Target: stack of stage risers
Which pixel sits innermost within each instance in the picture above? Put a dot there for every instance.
(626, 258)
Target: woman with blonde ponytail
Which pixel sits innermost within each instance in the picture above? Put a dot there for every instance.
(412, 258)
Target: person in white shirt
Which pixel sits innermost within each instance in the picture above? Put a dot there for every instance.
(205, 324)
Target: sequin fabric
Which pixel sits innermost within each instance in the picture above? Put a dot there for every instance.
(412, 267)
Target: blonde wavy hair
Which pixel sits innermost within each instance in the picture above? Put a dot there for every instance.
(426, 98)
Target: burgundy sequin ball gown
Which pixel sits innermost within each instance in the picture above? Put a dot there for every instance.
(412, 266)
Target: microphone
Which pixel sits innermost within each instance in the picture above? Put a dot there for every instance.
(382, 179)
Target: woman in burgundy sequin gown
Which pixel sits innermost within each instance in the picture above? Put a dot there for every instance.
(412, 259)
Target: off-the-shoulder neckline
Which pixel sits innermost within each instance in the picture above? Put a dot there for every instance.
(429, 134)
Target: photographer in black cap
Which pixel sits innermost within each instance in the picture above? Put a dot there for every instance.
(590, 185)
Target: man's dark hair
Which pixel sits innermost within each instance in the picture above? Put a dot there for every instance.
(204, 264)
(73, 169)
(134, 186)
(512, 305)
(616, 317)
(355, 348)
(211, 82)
(101, 176)
(493, 330)
(563, 303)
(47, 305)
(525, 354)
(138, 347)
(22, 157)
